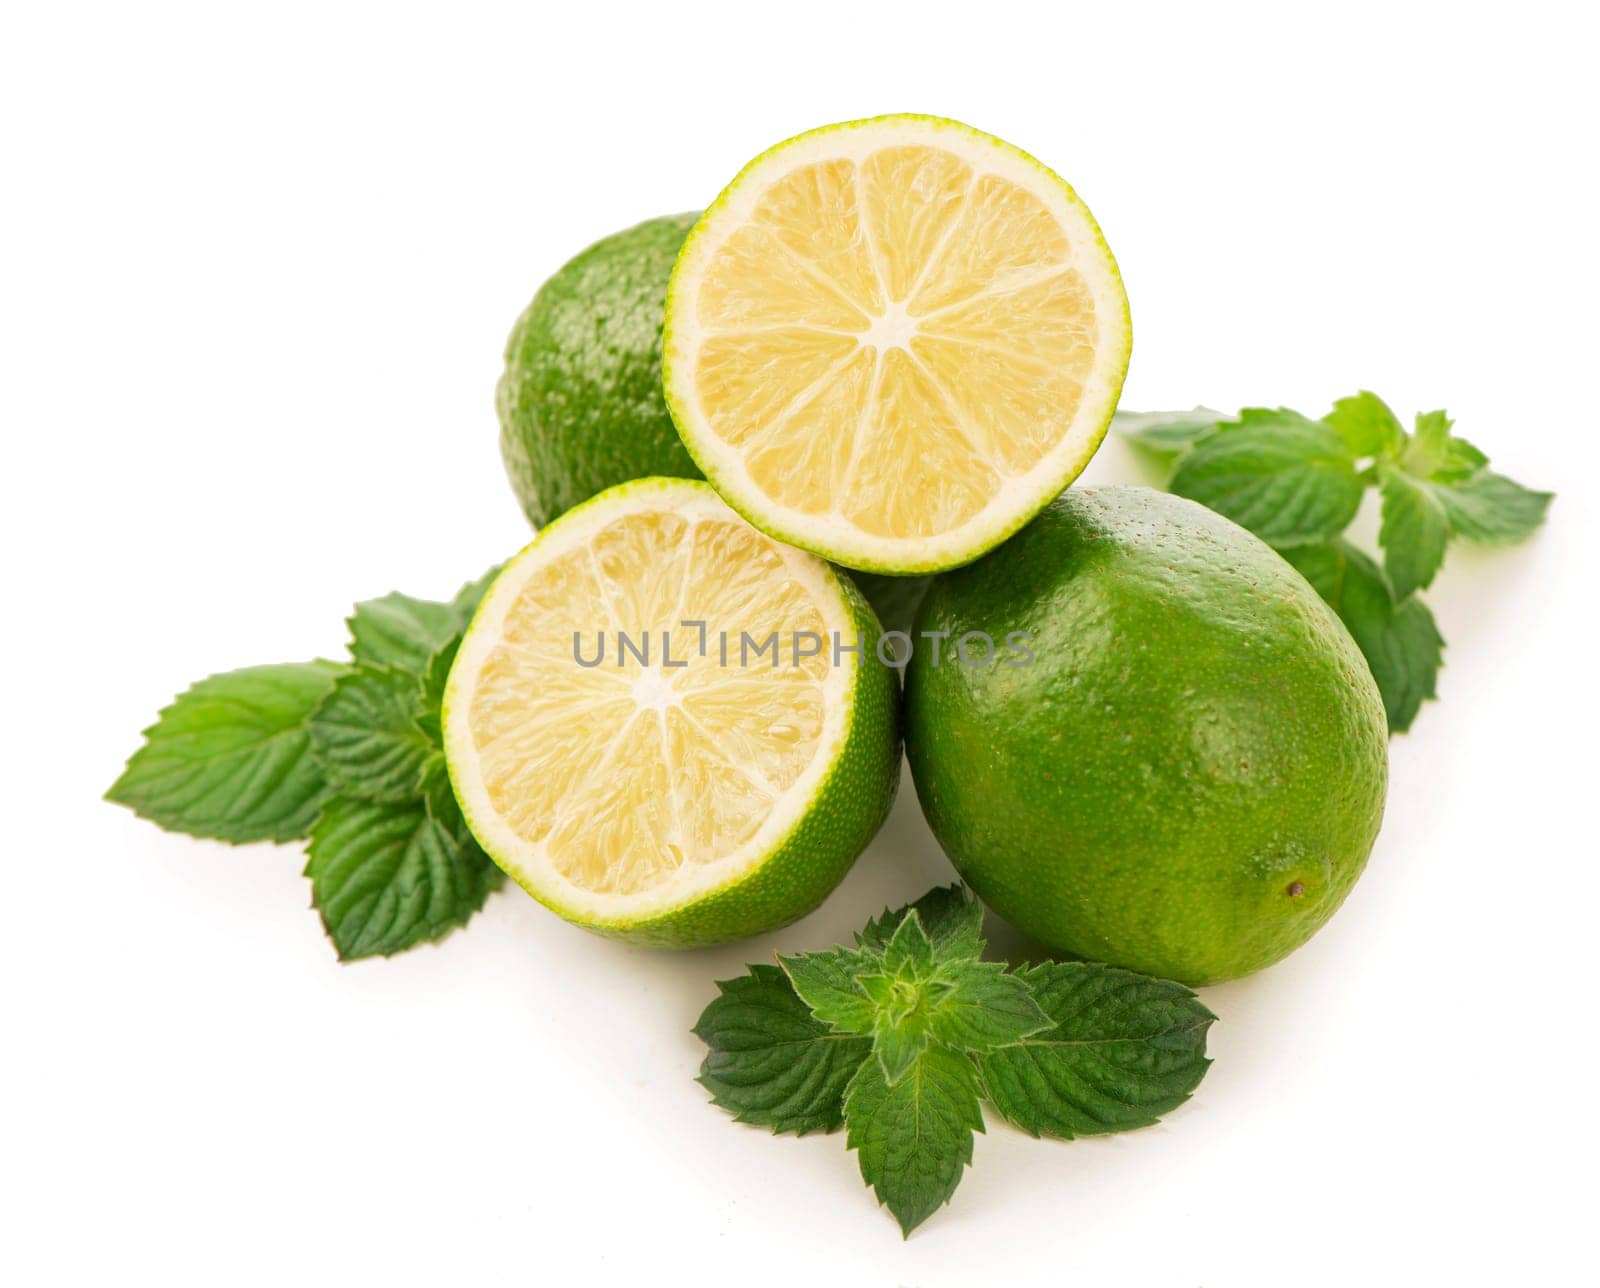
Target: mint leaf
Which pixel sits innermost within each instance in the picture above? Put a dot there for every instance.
(435, 773)
(229, 759)
(434, 677)
(1434, 453)
(400, 631)
(771, 1062)
(900, 1035)
(1168, 433)
(909, 952)
(436, 789)
(366, 734)
(1489, 507)
(440, 797)
(914, 1138)
(951, 916)
(985, 1007)
(1367, 425)
(1289, 480)
(828, 984)
(466, 600)
(1413, 531)
(1120, 1050)
(386, 877)
(1401, 642)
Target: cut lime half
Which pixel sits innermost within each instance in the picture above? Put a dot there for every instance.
(892, 342)
(668, 727)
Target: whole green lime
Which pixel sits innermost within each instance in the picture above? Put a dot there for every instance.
(580, 402)
(1178, 762)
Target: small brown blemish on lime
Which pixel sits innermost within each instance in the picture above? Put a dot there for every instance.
(1296, 889)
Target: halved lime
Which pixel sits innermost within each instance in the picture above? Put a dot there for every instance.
(892, 342)
(668, 727)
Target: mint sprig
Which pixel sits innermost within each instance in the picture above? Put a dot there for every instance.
(350, 757)
(1297, 483)
(899, 1038)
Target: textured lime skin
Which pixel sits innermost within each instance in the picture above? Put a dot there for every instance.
(580, 402)
(1189, 777)
(845, 812)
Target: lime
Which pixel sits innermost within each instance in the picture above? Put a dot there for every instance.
(580, 401)
(1177, 766)
(891, 342)
(697, 784)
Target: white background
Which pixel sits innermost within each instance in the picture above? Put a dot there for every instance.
(257, 272)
